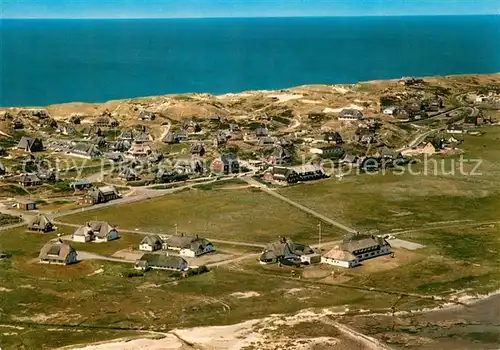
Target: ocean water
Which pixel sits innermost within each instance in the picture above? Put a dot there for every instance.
(53, 61)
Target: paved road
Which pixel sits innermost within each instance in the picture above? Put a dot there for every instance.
(299, 206)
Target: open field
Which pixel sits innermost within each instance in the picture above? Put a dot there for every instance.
(244, 215)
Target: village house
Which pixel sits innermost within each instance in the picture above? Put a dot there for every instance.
(389, 110)
(103, 194)
(91, 131)
(80, 184)
(349, 159)
(198, 149)
(98, 231)
(151, 243)
(17, 124)
(29, 144)
(188, 246)
(285, 251)
(28, 180)
(25, 204)
(356, 248)
(261, 132)
(227, 163)
(280, 155)
(106, 121)
(99, 141)
(85, 150)
(455, 129)
(334, 151)
(67, 129)
(147, 115)
(128, 174)
(190, 126)
(294, 174)
(332, 137)
(161, 262)
(350, 114)
(267, 141)
(139, 150)
(410, 81)
(364, 135)
(40, 223)
(57, 253)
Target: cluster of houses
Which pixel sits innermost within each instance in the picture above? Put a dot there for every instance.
(186, 246)
(354, 249)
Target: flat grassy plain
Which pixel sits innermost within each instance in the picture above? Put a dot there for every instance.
(243, 215)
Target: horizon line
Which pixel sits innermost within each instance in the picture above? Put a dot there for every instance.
(249, 17)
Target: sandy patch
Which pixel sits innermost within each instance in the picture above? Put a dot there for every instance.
(310, 101)
(337, 110)
(286, 97)
(244, 295)
(3, 289)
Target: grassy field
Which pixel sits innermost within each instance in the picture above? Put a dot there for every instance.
(244, 215)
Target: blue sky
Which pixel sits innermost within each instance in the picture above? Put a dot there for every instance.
(239, 8)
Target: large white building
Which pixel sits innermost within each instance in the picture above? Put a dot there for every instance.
(355, 249)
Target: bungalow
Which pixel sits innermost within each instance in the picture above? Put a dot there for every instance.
(328, 151)
(286, 251)
(40, 223)
(190, 126)
(339, 257)
(66, 129)
(350, 114)
(197, 148)
(364, 135)
(106, 121)
(389, 110)
(332, 137)
(261, 132)
(147, 115)
(80, 184)
(29, 144)
(455, 129)
(104, 194)
(139, 150)
(25, 204)
(57, 253)
(280, 155)
(151, 243)
(267, 141)
(121, 146)
(17, 124)
(91, 131)
(85, 150)
(349, 159)
(356, 248)
(188, 246)
(27, 180)
(128, 174)
(227, 163)
(410, 81)
(98, 231)
(161, 262)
